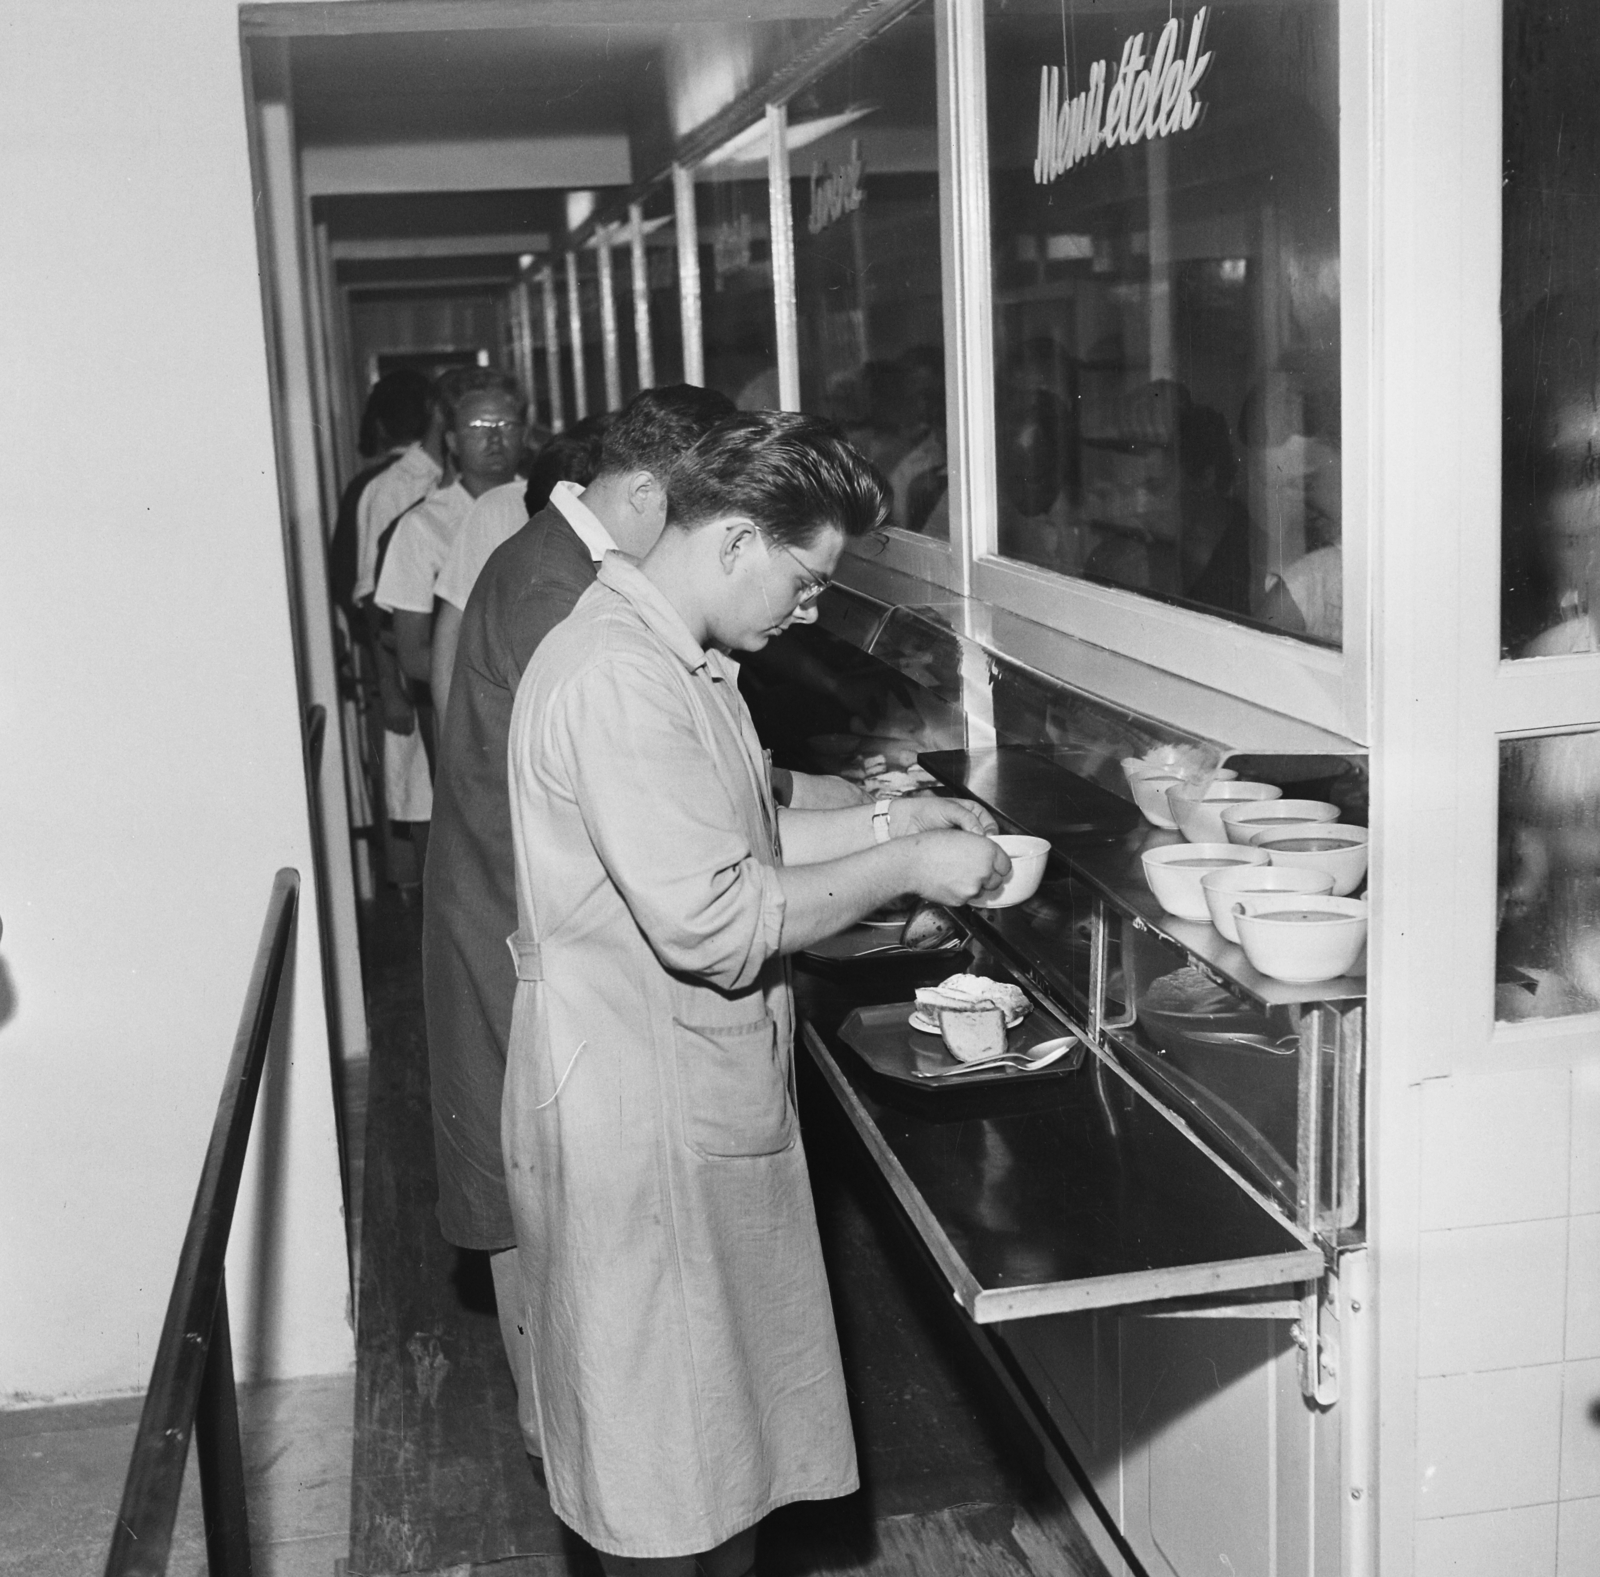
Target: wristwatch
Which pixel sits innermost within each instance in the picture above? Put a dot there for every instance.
(880, 821)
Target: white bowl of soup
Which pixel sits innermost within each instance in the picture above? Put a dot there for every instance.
(1028, 857)
(1149, 782)
(1176, 870)
(1251, 823)
(1226, 888)
(1301, 938)
(1334, 847)
(1197, 808)
(1150, 795)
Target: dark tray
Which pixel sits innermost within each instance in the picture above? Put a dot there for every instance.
(1034, 793)
(884, 1040)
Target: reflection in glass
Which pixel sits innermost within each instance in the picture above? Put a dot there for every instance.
(1167, 301)
(1550, 312)
(738, 321)
(588, 396)
(864, 167)
(661, 272)
(615, 239)
(1548, 950)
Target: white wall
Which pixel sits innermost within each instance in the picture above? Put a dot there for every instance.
(150, 758)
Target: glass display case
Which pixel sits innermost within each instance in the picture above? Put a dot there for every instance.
(869, 306)
(1264, 1074)
(739, 324)
(1164, 199)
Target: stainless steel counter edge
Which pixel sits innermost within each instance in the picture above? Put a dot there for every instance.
(992, 1305)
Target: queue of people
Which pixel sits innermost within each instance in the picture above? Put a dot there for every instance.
(612, 888)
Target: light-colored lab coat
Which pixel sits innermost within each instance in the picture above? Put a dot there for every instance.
(687, 1366)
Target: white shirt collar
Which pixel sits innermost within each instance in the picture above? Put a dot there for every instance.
(568, 498)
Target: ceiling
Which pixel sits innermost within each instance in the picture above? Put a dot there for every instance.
(436, 153)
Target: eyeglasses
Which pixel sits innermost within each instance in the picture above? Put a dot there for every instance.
(815, 584)
(485, 425)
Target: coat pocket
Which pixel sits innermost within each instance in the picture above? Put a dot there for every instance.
(732, 1097)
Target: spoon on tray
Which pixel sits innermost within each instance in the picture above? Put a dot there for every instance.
(1041, 1056)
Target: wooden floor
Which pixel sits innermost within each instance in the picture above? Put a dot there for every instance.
(950, 1479)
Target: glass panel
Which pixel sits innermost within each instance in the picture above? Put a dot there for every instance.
(1548, 952)
(622, 302)
(739, 325)
(864, 168)
(1232, 1063)
(1550, 312)
(666, 306)
(823, 705)
(594, 374)
(1165, 200)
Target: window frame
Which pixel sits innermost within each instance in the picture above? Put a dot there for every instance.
(1319, 685)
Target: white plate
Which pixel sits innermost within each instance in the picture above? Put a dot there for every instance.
(918, 1022)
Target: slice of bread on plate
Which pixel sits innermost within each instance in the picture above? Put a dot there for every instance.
(973, 1030)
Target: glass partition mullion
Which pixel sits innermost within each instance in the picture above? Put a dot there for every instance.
(639, 263)
(580, 379)
(610, 358)
(782, 226)
(969, 327)
(688, 226)
(552, 348)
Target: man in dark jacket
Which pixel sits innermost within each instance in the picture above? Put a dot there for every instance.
(529, 585)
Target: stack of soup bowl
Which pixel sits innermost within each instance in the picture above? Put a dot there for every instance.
(1271, 874)
(1151, 780)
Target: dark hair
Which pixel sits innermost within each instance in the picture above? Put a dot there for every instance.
(1204, 445)
(658, 426)
(793, 475)
(572, 456)
(397, 410)
(456, 384)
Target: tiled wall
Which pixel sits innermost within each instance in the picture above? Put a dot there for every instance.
(1508, 1415)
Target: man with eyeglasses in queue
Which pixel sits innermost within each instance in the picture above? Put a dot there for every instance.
(484, 421)
(688, 1374)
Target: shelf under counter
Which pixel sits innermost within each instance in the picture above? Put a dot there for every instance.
(1073, 1194)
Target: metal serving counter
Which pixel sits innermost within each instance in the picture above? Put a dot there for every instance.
(1208, 1153)
(1051, 1196)
(1167, 1230)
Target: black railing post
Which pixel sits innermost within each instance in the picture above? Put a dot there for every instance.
(191, 1379)
(221, 1456)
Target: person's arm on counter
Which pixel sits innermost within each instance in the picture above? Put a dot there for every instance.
(810, 836)
(666, 825)
(948, 867)
(807, 791)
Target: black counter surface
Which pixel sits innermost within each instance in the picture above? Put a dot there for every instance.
(1050, 1195)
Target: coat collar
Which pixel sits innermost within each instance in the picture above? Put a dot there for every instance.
(591, 532)
(624, 577)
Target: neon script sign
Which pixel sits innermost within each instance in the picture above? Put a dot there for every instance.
(1148, 99)
(835, 192)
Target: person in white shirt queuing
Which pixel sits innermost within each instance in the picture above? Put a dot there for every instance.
(570, 456)
(484, 421)
(416, 443)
